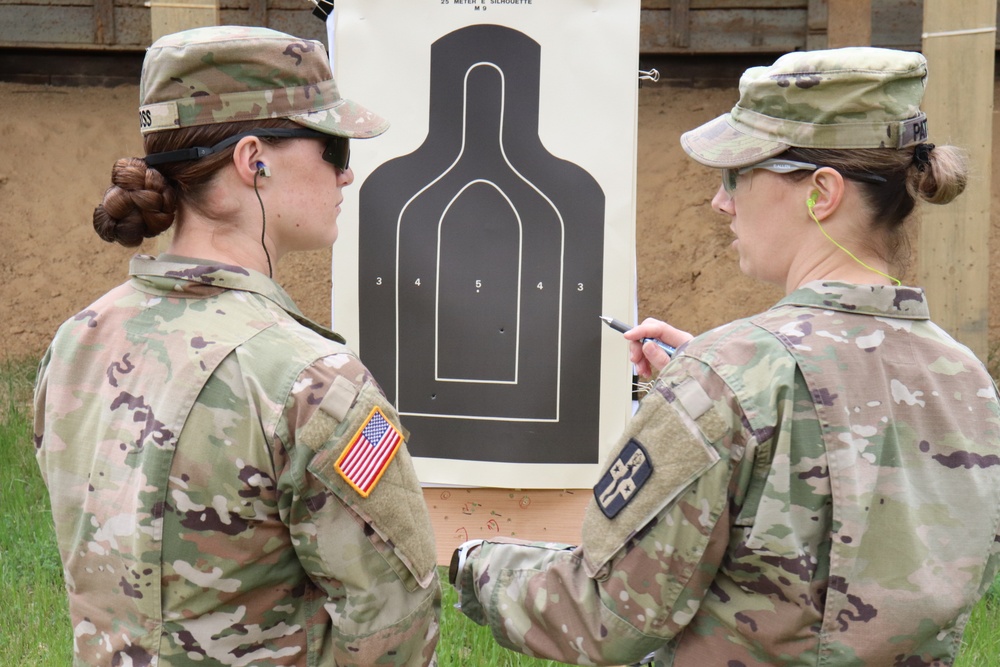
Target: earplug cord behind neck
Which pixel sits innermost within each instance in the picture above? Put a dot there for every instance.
(263, 224)
(812, 202)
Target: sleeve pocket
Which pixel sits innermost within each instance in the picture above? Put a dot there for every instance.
(676, 454)
(394, 505)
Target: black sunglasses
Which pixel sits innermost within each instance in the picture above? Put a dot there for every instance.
(337, 150)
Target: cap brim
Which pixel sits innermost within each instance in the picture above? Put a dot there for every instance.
(719, 143)
(344, 119)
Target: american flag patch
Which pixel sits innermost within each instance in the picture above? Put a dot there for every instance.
(363, 461)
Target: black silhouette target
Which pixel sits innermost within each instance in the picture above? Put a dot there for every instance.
(481, 269)
(480, 244)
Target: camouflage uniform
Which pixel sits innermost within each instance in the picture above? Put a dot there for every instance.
(815, 485)
(857, 97)
(223, 74)
(189, 425)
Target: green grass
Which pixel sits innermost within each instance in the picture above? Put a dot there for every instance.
(34, 623)
(981, 642)
(465, 644)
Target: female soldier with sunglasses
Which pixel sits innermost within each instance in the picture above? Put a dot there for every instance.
(229, 485)
(818, 484)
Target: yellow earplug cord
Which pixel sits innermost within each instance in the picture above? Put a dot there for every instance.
(812, 202)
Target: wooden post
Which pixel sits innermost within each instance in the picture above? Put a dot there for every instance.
(817, 24)
(849, 23)
(257, 13)
(680, 23)
(959, 42)
(167, 16)
(104, 22)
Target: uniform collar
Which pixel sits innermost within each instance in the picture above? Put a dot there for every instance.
(176, 275)
(900, 302)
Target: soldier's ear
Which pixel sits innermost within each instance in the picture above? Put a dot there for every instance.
(826, 194)
(248, 160)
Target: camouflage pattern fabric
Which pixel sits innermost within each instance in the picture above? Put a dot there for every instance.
(856, 97)
(844, 507)
(222, 74)
(182, 422)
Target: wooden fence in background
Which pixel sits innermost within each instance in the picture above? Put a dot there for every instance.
(667, 26)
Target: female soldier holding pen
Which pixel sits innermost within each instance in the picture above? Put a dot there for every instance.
(818, 484)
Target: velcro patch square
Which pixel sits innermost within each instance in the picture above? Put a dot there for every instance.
(624, 478)
(369, 453)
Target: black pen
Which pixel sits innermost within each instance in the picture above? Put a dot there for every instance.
(621, 327)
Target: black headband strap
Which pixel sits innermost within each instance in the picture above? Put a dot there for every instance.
(198, 152)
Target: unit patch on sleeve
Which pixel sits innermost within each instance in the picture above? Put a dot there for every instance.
(369, 453)
(624, 478)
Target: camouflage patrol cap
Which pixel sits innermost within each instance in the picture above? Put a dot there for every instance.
(856, 97)
(224, 74)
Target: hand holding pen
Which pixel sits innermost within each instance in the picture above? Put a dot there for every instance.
(648, 350)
